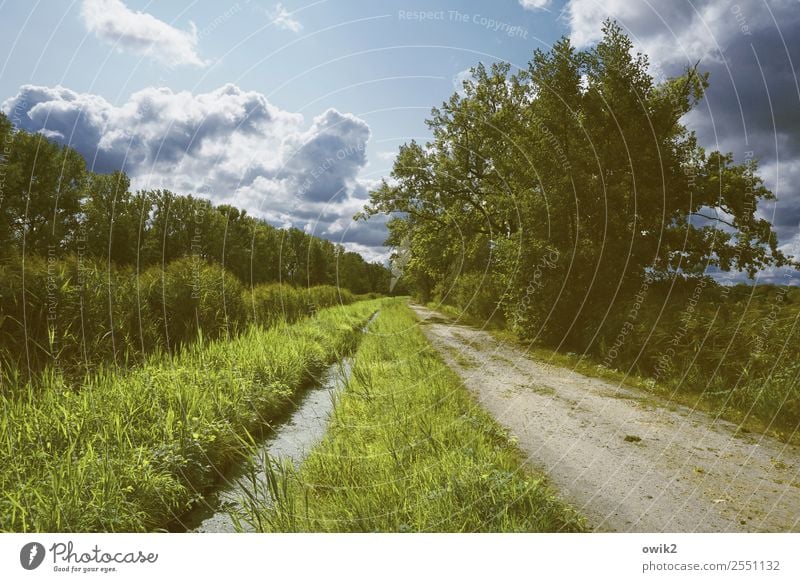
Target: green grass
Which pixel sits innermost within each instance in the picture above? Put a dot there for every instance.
(128, 452)
(79, 314)
(407, 450)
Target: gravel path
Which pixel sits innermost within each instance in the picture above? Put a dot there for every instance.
(687, 473)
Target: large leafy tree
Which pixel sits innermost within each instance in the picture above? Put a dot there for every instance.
(565, 184)
(41, 192)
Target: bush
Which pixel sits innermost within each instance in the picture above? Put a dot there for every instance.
(476, 294)
(76, 313)
(192, 296)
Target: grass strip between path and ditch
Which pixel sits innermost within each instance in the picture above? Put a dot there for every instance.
(128, 452)
(407, 449)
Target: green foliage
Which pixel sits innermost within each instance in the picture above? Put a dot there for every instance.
(407, 450)
(129, 452)
(41, 193)
(190, 295)
(475, 293)
(51, 206)
(583, 156)
(78, 313)
(271, 303)
(735, 348)
(91, 272)
(560, 194)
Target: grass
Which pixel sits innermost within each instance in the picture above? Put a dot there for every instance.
(128, 452)
(407, 450)
(76, 315)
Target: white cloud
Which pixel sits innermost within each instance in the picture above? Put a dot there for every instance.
(792, 248)
(370, 254)
(678, 31)
(670, 32)
(739, 44)
(229, 145)
(534, 4)
(141, 33)
(459, 79)
(282, 18)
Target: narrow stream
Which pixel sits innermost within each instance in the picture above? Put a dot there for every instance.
(293, 439)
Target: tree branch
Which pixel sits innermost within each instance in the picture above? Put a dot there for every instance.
(722, 220)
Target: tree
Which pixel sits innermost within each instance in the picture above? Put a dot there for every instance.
(41, 193)
(51, 206)
(110, 219)
(568, 183)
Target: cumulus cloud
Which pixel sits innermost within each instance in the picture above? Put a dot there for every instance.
(370, 254)
(460, 78)
(334, 146)
(229, 145)
(282, 18)
(673, 31)
(141, 33)
(534, 4)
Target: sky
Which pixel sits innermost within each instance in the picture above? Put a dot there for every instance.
(294, 110)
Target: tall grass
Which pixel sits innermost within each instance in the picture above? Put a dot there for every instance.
(407, 450)
(735, 351)
(75, 314)
(127, 452)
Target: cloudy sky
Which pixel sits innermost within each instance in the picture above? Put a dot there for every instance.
(295, 109)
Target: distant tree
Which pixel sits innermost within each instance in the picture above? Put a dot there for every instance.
(50, 205)
(176, 227)
(238, 240)
(110, 219)
(265, 256)
(6, 214)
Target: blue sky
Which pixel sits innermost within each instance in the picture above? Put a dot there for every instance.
(366, 58)
(208, 97)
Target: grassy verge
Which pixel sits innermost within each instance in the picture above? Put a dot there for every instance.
(129, 452)
(670, 391)
(408, 450)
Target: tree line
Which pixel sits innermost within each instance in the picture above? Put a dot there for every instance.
(51, 205)
(93, 272)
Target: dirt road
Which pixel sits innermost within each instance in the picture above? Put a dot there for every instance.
(687, 473)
